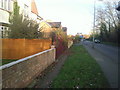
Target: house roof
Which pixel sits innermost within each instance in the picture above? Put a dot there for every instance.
(39, 17)
(54, 24)
(64, 29)
(34, 7)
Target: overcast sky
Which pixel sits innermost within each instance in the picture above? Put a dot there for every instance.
(76, 15)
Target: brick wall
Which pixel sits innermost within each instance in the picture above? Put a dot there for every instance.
(20, 73)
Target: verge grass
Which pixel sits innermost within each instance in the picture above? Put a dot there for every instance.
(80, 70)
(112, 44)
(6, 61)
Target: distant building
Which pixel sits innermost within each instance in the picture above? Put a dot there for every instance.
(64, 29)
(55, 25)
(81, 36)
(86, 36)
(48, 26)
(45, 28)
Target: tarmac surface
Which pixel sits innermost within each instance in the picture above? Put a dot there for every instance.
(107, 62)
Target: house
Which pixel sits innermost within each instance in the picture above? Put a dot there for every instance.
(34, 12)
(28, 9)
(64, 30)
(6, 7)
(45, 28)
(55, 25)
(48, 26)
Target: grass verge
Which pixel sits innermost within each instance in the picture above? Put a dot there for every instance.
(6, 61)
(112, 44)
(80, 70)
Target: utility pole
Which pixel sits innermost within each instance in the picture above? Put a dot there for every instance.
(94, 21)
(94, 24)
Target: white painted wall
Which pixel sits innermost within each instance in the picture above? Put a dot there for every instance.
(33, 17)
(5, 10)
(4, 16)
(22, 3)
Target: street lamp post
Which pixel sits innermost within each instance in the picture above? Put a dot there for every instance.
(94, 23)
(94, 20)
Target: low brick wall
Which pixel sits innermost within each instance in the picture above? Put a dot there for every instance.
(20, 73)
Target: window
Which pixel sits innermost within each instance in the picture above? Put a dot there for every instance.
(1, 3)
(25, 10)
(5, 4)
(9, 5)
(4, 32)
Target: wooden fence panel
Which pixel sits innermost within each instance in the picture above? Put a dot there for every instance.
(20, 48)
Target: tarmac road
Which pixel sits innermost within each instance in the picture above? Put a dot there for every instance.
(107, 57)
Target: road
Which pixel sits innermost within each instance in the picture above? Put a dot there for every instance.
(107, 57)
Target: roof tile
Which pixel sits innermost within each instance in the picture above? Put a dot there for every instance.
(34, 7)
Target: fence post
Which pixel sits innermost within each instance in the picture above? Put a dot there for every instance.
(52, 46)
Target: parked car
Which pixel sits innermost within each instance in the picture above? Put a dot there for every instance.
(97, 41)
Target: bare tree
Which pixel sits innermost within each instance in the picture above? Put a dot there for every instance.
(108, 22)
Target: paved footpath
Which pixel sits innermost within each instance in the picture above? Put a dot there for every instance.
(109, 68)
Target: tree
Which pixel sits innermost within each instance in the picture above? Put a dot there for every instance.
(108, 22)
(57, 35)
(22, 27)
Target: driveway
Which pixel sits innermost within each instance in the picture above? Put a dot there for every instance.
(107, 57)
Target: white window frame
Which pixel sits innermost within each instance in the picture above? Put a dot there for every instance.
(2, 4)
(26, 8)
(9, 5)
(5, 4)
